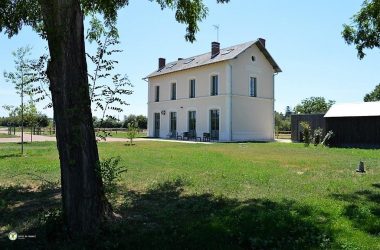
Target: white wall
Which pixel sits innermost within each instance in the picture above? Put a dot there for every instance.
(252, 117)
(202, 103)
(241, 117)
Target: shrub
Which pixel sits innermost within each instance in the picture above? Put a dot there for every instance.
(306, 131)
(111, 171)
(317, 136)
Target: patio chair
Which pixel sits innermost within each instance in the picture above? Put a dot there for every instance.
(206, 136)
(185, 135)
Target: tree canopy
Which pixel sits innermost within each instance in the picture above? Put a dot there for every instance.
(364, 32)
(313, 105)
(374, 95)
(29, 12)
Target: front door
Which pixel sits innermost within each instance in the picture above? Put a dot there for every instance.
(156, 124)
(214, 124)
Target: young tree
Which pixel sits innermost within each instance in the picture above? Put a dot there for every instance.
(374, 95)
(22, 79)
(364, 32)
(85, 206)
(313, 105)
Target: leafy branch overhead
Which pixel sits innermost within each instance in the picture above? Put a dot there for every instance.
(29, 12)
(364, 32)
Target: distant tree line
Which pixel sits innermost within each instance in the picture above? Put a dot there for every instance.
(139, 121)
(32, 118)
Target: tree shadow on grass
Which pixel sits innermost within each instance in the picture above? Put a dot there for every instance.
(363, 209)
(9, 156)
(21, 207)
(165, 217)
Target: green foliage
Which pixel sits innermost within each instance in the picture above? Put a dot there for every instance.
(23, 76)
(282, 122)
(306, 133)
(374, 95)
(111, 171)
(313, 105)
(364, 32)
(132, 132)
(30, 13)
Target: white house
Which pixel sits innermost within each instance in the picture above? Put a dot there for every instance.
(226, 93)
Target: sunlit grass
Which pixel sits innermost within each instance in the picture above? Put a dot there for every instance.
(342, 205)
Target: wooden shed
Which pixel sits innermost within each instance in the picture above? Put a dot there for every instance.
(315, 121)
(354, 124)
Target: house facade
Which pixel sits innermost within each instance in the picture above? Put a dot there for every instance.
(228, 93)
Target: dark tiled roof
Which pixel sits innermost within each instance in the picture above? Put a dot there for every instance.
(204, 59)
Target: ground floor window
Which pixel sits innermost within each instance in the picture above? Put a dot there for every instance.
(156, 124)
(214, 124)
(192, 121)
(173, 122)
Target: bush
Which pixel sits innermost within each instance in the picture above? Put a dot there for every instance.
(306, 131)
(111, 174)
(317, 136)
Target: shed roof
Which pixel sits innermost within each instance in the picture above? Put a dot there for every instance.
(354, 109)
(204, 59)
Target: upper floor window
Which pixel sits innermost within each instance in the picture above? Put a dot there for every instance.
(214, 85)
(253, 86)
(174, 91)
(157, 96)
(192, 88)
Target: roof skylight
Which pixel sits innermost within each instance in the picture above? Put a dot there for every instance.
(189, 61)
(227, 51)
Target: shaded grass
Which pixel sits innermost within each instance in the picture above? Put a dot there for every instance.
(231, 196)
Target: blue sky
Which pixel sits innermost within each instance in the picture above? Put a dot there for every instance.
(304, 37)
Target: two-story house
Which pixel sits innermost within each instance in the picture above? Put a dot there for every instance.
(228, 93)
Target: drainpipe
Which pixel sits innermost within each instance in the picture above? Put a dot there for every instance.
(273, 122)
(229, 99)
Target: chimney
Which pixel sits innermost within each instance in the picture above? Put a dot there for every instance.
(161, 62)
(215, 49)
(262, 41)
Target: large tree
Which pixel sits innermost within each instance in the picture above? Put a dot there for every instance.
(85, 206)
(313, 105)
(374, 95)
(364, 32)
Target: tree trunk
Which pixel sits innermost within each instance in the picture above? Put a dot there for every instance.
(84, 203)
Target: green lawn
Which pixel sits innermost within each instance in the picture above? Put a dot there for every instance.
(122, 134)
(197, 196)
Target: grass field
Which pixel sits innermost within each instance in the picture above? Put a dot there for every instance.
(197, 196)
(122, 134)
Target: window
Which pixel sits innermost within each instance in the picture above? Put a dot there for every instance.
(214, 124)
(192, 88)
(174, 91)
(252, 86)
(173, 122)
(214, 85)
(157, 98)
(192, 121)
